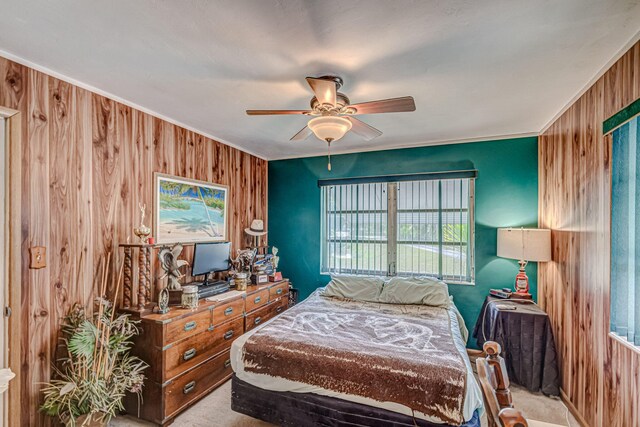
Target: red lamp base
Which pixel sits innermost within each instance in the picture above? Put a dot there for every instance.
(522, 283)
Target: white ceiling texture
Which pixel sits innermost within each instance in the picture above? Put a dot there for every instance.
(477, 69)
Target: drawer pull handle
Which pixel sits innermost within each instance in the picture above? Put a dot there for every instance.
(189, 387)
(190, 326)
(189, 354)
(257, 321)
(228, 311)
(279, 309)
(279, 291)
(227, 363)
(257, 300)
(228, 335)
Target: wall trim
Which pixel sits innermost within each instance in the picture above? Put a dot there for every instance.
(621, 117)
(13, 153)
(572, 409)
(65, 78)
(413, 145)
(619, 54)
(624, 342)
(131, 104)
(116, 98)
(632, 41)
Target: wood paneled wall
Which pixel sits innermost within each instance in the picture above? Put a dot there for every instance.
(87, 163)
(600, 375)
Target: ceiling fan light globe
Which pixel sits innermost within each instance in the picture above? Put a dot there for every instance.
(329, 127)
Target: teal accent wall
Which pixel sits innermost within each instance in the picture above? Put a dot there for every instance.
(506, 193)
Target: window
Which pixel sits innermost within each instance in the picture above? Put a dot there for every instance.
(399, 226)
(625, 232)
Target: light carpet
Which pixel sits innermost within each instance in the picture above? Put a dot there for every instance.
(215, 410)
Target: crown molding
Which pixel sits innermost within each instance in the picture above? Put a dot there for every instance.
(116, 98)
(412, 145)
(632, 41)
(568, 104)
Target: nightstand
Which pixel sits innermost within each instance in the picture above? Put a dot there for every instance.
(524, 332)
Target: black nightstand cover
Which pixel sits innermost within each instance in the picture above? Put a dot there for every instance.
(527, 343)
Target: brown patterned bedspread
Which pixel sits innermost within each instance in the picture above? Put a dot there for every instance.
(385, 352)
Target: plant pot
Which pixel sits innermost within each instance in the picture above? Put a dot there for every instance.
(91, 420)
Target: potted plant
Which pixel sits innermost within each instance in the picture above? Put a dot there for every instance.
(97, 370)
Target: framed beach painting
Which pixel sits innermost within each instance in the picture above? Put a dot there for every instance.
(187, 210)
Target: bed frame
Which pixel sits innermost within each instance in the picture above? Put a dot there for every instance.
(289, 409)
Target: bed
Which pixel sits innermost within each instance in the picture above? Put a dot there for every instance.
(333, 361)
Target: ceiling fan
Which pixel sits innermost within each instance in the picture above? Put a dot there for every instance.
(333, 113)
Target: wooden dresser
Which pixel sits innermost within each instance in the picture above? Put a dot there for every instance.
(188, 350)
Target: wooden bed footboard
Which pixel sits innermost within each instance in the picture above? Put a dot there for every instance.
(494, 382)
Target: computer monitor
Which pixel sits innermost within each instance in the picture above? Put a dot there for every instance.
(210, 257)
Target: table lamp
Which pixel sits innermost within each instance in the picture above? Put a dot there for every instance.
(524, 244)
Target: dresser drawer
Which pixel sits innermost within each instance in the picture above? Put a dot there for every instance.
(256, 318)
(279, 290)
(228, 311)
(256, 300)
(260, 316)
(280, 305)
(196, 382)
(193, 350)
(187, 326)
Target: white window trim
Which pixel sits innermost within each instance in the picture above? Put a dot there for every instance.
(624, 341)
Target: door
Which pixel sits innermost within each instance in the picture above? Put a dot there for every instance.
(3, 282)
(10, 265)
(5, 374)
(3, 276)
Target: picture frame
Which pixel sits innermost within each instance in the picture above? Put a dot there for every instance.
(188, 210)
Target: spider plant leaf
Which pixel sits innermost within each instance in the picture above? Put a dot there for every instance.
(70, 386)
(82, 342)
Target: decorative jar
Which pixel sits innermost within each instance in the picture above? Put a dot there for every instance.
(240, 281)
(190, 297)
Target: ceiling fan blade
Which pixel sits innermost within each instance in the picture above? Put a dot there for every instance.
(364, 130)
(276, 112)
(325, 90)
(393, 105)
(304, 133)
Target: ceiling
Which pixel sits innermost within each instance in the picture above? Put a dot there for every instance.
(477, 69)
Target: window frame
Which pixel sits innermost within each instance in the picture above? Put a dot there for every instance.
(620, 331)
(392, 234)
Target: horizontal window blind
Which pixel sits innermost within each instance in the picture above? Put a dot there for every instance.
(625, 232)
(419, 227)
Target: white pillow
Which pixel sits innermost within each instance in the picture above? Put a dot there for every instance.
(415, 290)
(359, 288)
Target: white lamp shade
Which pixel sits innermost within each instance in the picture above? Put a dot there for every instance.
(329, 128)
(527, 244)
